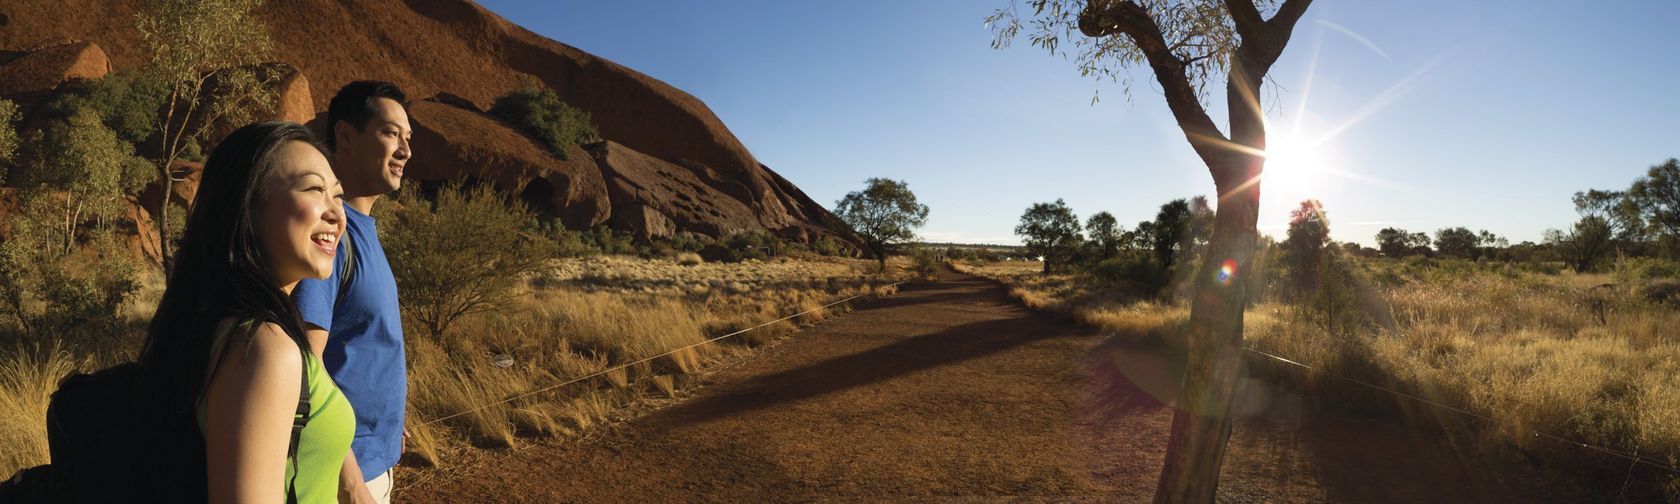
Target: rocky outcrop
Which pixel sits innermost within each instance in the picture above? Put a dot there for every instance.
(467, 56)
(181, 193)
(456, 144)
(41, 70)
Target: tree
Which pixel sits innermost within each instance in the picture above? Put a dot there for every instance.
(884, 213)
(1585, 244)
(1172, 230)
(202, 51)
(1051, 231)
(1303, 250)
(83, 169)
(1656, 196)
(1105, 234)
(1618, 210)
(462, 254)
(1396, 243)
(1186, 44)
(1456, 242)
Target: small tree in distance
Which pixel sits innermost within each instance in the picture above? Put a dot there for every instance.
(1051, 231)
(884, 213)
(1106, 234)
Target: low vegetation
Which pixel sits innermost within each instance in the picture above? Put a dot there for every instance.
(537, 111)
(1531, 348)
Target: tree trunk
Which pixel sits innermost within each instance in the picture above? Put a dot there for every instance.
(1202, 420)
(163, 221)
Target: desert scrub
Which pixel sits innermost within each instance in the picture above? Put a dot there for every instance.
(539, 112)
(583, 316)
(1584, 357)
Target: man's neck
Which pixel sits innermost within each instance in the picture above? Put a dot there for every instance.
(363, 204)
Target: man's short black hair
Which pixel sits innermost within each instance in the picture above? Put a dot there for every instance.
(354, 104)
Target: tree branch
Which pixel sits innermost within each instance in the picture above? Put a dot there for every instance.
(1246, 16)
(1102, 18)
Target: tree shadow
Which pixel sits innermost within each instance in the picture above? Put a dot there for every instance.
(951, 346)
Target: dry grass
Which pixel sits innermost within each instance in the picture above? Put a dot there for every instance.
(579, 319)
(1564, 355)
(585, 318)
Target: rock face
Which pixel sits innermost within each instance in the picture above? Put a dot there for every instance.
(454, 143)
(40, 70)
(467, 56)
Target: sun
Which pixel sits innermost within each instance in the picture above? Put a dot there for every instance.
(1291, 164)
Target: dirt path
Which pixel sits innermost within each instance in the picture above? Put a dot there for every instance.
(953, 390)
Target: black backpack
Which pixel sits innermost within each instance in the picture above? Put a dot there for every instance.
(100, 443)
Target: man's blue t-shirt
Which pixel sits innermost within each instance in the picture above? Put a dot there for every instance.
(364, 352)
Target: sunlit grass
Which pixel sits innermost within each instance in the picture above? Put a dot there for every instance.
(1565, 355)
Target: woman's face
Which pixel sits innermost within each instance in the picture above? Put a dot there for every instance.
(301, 215)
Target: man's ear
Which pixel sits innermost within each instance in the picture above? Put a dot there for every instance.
(341, 132)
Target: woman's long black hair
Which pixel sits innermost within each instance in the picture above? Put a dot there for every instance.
(220, 271)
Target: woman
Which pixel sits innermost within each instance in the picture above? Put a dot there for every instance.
(225, 354)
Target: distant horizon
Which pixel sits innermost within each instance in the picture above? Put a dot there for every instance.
(1491, 122)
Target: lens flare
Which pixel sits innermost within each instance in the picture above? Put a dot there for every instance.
(1227, 272)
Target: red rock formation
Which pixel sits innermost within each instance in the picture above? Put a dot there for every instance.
(43, 69)
(457, 47)
(453, 143)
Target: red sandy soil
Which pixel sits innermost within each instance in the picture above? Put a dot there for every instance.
(952, 391)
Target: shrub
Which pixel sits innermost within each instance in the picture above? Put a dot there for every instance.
(828, 246)
(613, 242)
(688, 241)
(688, 259)
(1136, 271)
(128, 103)
(540, 113)
(924, 263)
(462, 254)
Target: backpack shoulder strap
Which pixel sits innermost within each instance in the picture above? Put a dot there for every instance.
(300, 415)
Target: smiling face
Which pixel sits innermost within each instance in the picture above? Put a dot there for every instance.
(301, 214)
(371, 159)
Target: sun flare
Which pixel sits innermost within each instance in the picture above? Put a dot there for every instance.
(1291, 164)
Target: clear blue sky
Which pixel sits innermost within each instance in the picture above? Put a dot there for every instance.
(1487, 115)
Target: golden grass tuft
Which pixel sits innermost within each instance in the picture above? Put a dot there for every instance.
(27, 381)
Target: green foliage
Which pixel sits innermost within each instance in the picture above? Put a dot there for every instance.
(52, 292)
(828, 246)
(687, 241)
(83, 169)
(191, 42)
(1397, 243)
(613, 242)
(756, 244)
(1656, 196)
(128, 103)
(1135, 271)
(8, 135)
(539, 112)
(462, 254)
(924, 263)
(1583, 246)
(1304, 249)
(1171, 231)
(1106, 234)
(1051, 231)
(1457, 242)
(884, 213)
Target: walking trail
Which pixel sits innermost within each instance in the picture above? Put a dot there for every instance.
(951, 389)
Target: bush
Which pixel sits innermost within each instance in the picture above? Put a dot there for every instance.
(540, 113)
(688, 241)
(128, 103)
(613, 242)
(1135, 271)
(462, 254)
(924, 263)
(827, 246)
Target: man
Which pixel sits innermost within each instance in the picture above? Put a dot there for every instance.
(358, 332)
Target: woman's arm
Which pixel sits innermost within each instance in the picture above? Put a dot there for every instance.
(249, 408)
(351, 487)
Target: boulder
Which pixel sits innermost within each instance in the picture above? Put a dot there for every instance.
(634, 178)
(643, 222)
(43, 69)
(452, 143)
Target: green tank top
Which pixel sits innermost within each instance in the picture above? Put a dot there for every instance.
(325, 438)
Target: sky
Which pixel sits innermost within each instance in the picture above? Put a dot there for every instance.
(1421, 115)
